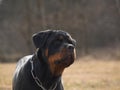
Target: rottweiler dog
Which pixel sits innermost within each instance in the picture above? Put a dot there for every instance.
(55, 50)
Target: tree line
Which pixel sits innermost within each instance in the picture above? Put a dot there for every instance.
(93, 23)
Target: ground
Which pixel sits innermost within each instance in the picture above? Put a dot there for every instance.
(82, 75)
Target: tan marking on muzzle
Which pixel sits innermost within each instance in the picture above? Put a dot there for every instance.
(56, 69)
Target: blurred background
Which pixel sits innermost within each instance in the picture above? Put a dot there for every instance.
(95, 24)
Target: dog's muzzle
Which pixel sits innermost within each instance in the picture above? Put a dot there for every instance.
(69, 56)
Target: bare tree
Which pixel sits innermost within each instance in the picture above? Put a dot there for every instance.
(26, 32)
(41, 10)
(118, 5)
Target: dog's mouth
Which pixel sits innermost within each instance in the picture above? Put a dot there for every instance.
(66, 61)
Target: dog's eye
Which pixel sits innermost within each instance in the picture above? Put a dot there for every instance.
(60, 38)
(58, 42)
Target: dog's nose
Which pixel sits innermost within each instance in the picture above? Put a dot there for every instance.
(70, 47)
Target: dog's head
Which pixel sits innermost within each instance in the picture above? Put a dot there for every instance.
(56, 48)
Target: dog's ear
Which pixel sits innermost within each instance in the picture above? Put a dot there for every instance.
(39, 39)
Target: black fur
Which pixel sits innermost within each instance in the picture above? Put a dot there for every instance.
(23, 79)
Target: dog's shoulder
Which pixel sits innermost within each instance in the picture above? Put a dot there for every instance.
(22, 62)
(18, 74)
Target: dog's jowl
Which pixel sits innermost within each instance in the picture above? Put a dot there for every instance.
(55, 50)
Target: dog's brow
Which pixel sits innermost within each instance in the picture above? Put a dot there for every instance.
(61, 37)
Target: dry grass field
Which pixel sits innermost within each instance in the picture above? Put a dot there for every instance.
(82, 75)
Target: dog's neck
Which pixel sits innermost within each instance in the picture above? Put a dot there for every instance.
(46, 77)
